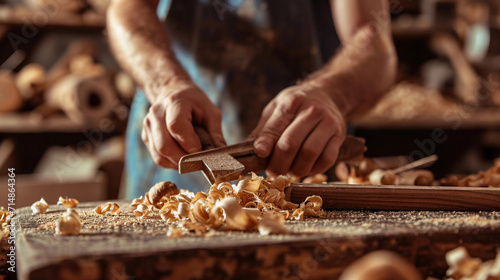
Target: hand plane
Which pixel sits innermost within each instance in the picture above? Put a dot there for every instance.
(228, 163)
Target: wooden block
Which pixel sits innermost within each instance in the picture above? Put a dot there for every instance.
(343, 196)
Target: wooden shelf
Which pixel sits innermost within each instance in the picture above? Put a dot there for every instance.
(19, 16)
(24, 123)
(480, 119)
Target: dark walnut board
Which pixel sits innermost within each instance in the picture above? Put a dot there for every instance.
(121, 247)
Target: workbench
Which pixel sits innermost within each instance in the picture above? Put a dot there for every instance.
(123, 247)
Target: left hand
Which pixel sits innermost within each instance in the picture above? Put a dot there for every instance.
(301, 131)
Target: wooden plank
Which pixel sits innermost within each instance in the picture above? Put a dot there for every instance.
(30, 188)
(473, 119)
(25, 123)
(343, 196)
(20, 16)
(117, 247)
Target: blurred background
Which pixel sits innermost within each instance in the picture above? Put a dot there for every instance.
(64, 101)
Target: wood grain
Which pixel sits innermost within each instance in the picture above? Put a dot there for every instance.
(342, 196)
(122, 247)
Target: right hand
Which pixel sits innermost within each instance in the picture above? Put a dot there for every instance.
(168, 130)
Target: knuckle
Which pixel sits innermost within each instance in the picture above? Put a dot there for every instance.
(163, 150)
(175, 126)
(145, 121)
(310, 153)
(172, 98)
(270, 133)
(315, 111)
(293, 103)
(288, 145)
(156, 109)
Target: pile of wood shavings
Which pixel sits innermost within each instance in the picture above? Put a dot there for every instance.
(254, 203)
(5, 217)
(463, 267)
(489, 178)
(410, 101)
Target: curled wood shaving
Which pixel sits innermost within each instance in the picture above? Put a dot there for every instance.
(40, 206)
(418, 177)
(5, 217)
(108, 206)
(381, 265)
(236, 217)
(136, 202)
(68, 202)
(69, 223)
(212, 218)
(174, 232)
(198, 229)
(280, 183)
(316, 179)
(463, 267)
(488, 178)
(160, 190)
(141, 211)
(249, 185)
(298, 214)
(382, 177)
(226, 206)
(312, 206)
(272, 224)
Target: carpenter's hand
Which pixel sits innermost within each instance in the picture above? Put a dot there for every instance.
(168, 127)
(301, 130)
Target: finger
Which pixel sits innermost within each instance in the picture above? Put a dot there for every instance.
(163, 142)
(314, 146)
(213, 125)
(263, 119)
(271, 131)
(291, 141)
(329, 156)
(179, 124)
(157, 158)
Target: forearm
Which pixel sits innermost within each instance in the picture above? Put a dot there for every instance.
(141, 45)
(360, 73)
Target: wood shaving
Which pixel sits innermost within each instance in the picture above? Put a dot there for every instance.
(382, 177)
(312, 206)
(463, 267)
(136, 202)
(272, 224)
(229, 207)
(40, 206)
(298, 214)
(108, 206)
(69, 223)
(141, 211)
(489, 178)
(5, 217)
(160, 190)
(174, 232)
(236, 217)
(68, 202)
(381, 265)
(316, 179)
